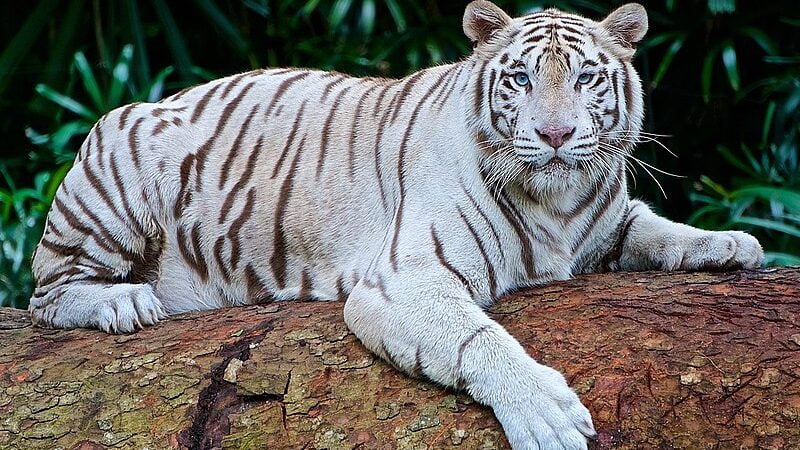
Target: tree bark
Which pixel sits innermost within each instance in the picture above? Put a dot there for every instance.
(703, 360)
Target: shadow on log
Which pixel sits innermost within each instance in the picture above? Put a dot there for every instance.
(662, 360)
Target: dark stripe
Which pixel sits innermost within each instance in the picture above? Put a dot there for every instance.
(379, 285)
(223, 266)
(72, 219)
(236, 227)
(232, 84)
(243, 180)
(326, 130)
(377, 150)
(131, 217)
(202, 153)
(98, 187)
(281, 90)
(448, 87)
(461, 349)
(354, 130)
(201, 105)
(340, 292)
(290, 139)
(158, 112)
(184, 194)
(401, 181)
(99, 135)
(123, 117)
(526, 251)
(484, 216)
(160, 127)
(278, 259)
(305, 286)
(226, 166)
(200, 261)
(105, 233)
(437, 246)
(478, 99)
(609, 196)
(490, 272)
(417, 371)
(328, 87)
(381, 95)
(627, 88)
(428, 95)
(584, 203)
(177, 96)
(193, 258)
(405, 91)
(257, 292)
(132, 134)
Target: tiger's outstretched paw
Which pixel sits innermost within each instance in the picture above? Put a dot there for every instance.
(714, 250)
(542, 412)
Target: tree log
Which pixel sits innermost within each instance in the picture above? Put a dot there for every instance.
(703, 360)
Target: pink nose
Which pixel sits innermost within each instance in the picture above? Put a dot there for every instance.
(555, 136)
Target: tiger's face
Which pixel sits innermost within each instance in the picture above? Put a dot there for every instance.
(556, 94)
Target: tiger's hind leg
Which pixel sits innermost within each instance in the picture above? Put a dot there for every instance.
(99, 252)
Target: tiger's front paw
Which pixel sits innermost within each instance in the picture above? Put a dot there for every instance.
(715, 250)
(540, 411)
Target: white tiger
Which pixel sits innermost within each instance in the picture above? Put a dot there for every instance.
(420, 201)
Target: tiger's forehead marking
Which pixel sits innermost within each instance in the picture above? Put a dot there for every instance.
(552, 34)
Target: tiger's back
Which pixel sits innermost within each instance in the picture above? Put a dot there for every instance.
(260, 186)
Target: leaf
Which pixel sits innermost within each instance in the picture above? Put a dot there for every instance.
(119, 77)
(155, 90)
(89, 81)
(707, 73)
(141, 66)
(731, 67)
(309, 7)
(673, 50)
(716, 187)
(781, 259)
(228, 29)
(367, 21)
(183, 63)
(783, 195)
(769, 115)
(768, 224)
(338, 13)
(734, 161)
(721, 6)
(66, 102)
(761, 38)
(26, 37)
(397, 15)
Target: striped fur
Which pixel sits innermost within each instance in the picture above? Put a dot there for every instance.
(419, 200)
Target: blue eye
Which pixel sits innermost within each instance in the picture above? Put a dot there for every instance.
(585, 78)
(521, 78)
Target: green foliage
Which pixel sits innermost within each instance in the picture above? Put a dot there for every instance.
(719, 74)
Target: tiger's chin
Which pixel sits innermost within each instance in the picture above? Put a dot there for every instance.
(553, 177)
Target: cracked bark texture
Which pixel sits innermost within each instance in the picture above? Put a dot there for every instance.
(662, 360)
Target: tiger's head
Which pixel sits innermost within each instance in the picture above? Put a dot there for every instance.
(556, 99)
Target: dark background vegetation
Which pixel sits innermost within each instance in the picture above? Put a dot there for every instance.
(722, 77)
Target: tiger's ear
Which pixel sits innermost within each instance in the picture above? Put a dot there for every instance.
(481, 19)
(627, 24)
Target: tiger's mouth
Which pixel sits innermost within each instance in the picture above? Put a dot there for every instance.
(554, 164)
